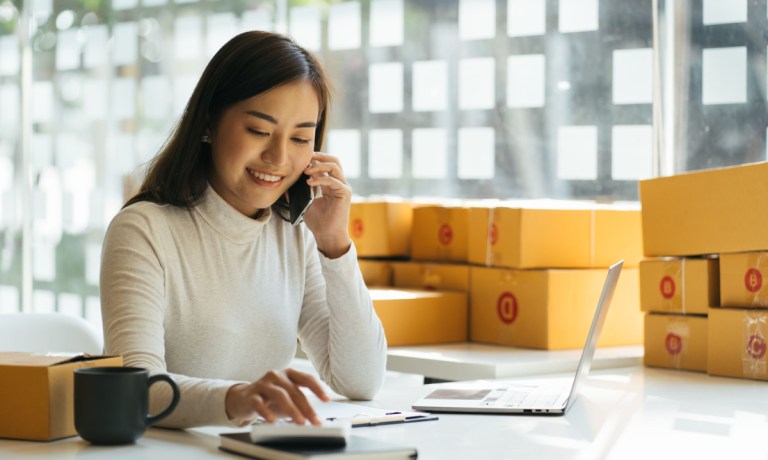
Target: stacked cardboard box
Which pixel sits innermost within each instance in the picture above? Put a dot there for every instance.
(676, 294)
(530, 274)
(718, 211)
(538, 270)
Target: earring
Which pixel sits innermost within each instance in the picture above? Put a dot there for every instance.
(206, 139)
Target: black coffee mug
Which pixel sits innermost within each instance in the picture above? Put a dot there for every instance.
(112, 403)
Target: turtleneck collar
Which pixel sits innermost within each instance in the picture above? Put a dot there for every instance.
(228, 221)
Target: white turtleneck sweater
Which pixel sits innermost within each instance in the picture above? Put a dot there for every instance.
(215, 298)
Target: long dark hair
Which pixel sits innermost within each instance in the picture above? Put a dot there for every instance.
(250, 63)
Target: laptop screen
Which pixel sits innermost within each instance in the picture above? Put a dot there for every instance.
(609, 287)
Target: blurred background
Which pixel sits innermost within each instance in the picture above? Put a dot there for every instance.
(434, 98)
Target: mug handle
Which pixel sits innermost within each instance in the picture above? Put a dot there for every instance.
(152, 419)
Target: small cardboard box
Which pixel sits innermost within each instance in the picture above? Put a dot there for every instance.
(376, 272)
(37, 397)
(531, 237)
(676, 341)
(431, 276)
(551, 309)
(381, 228)
(416, 317)
(744, 279)
(706, 212)
(736, 343)
(680, 285)
(440, 233)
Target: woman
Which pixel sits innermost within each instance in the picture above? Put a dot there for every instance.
(203, 277)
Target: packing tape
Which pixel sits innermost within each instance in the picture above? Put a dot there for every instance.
(489, 238)
(755, 279)
(683, 282)
(753, 352)
(592, 237)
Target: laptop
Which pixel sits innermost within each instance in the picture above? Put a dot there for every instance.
(527, 398)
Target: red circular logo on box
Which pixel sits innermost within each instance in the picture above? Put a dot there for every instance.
(493, 234)
(756, 346)
(673, 343)
(506, 307)
(667, 287)
(357, 228)
(753, 280)
(445, 234)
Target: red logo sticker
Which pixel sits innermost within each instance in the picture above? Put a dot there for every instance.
(445, 234)
(753, 280)
(667, 287)
(673, 343)
(493, 234)
(756, 346)
(506, 307)
(357, 228)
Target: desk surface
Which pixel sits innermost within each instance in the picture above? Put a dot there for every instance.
(624, 413)
(474, 361)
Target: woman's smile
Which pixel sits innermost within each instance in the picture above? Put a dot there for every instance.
(265, 179)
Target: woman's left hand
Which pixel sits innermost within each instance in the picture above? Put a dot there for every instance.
(328, 216)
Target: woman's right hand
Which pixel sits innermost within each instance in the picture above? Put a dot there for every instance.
(276, 395)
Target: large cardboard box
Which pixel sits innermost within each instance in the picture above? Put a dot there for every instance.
(744, 279)
(381, 228)
(676, 341)
(551, 309)
(706, 212)
(431, 276)
(376, 272)
(736, 343)
(679, 285)
(37, 397)
(539, 237)
(440, 233)
(417, 317)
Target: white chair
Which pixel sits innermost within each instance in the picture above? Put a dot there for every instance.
(49, 332)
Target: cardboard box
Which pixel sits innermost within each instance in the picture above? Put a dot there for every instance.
(744, 279)
(431, 276)
(440, 233)
(706, 212)
(376, 272)
(681, 285)
(736, 343)
(551, 309)
(529, 237)
(676, 341)
(416, 317)
(37, 397)
(381, 228)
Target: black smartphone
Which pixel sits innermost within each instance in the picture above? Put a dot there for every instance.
(300, 196)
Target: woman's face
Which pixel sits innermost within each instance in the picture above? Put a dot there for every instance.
(261, 145)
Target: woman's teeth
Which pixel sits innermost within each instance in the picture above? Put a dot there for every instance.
(264, 177)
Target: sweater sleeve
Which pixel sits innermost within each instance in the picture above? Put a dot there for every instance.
(132, 288)
(338, 327)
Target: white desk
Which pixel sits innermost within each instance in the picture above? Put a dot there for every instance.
(474, 361)
(627, 413)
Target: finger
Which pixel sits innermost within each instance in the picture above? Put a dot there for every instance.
(338, 188)
(258, 404)
(307, 381)
(325, 157)
(319, 169)
(281, 401)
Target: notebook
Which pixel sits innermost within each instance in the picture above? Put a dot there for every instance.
(526, 398)
(357, 447)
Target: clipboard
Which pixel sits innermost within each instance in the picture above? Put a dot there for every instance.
(362, 416)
